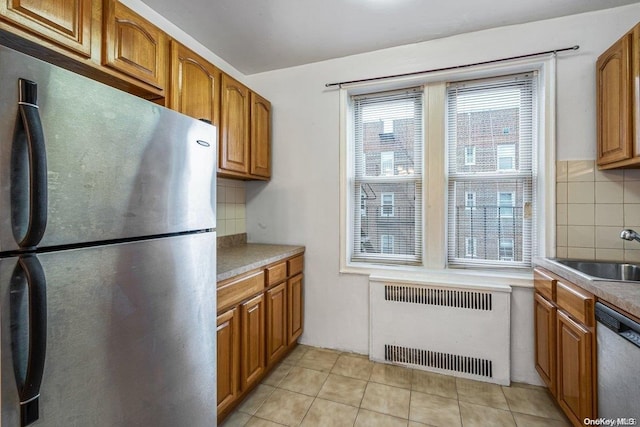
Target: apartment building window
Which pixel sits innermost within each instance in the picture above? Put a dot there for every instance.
(506, 202)
(478, 113)
(470, 247)
(470, 155)
(387, 206)
(386, 160)
(506, 156)
(386, 244)
(505, 247)
(470, 200)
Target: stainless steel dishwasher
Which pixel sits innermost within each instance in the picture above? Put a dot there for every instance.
(618, 340)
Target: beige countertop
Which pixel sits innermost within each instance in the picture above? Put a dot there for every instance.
(242, 258)
(625, 295)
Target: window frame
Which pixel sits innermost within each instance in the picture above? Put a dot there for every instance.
(434, 199)
(467, 206)
(473, 243)
(390, 159)
(390, 241)
(499, 211)
(512, 157)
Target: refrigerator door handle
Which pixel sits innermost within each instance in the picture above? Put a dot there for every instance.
(30, 120)
(29, 373)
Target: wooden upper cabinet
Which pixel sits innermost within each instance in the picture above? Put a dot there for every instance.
(260, 136)
(66, 23)
(134, 46)
(234, 127)
(195, 85)
(245, 132)
(614, 103)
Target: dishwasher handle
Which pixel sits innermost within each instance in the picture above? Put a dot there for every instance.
(618, 323)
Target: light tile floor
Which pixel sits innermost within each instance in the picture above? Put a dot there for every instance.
(319, 387)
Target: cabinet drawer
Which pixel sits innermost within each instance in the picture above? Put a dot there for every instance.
(544, 283)
(576, 302)
(295, 265)
(236, 290)
(276, 273)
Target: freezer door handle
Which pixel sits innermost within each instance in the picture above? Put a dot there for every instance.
(28, 364)
(31, 126)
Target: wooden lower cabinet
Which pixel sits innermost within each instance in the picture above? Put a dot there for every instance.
(545, 330)
(228, 358)
(252, 332)
(294, 308)
(575, 369)
(260, 317)
(564, 345)
(276, 323)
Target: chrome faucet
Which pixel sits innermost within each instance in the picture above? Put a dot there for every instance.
(630, 235)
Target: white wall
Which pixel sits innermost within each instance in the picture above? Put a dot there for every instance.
(301, 203)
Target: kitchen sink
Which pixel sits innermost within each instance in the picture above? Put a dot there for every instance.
(604, 270)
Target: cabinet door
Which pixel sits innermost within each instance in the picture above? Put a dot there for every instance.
(260, 136)
(234, 126)
(295, 304)
(575, 375)
(545, 337)
(228, 358)
(194, 88)
(276, 322)
(66, 23)
(134, 46)
(252, 357)
(614, 103)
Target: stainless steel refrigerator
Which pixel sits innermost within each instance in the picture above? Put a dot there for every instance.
(107, 255)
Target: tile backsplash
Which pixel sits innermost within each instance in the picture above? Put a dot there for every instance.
(592, 207)
(231, 207)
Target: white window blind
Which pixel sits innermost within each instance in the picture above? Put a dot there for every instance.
(499, 118)
(387, 177)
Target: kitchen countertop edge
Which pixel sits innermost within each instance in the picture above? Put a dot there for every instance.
(624, 295)
(237, 260)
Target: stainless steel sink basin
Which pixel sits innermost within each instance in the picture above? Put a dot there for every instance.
(604, 270)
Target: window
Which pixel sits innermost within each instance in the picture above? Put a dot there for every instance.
(505, 205)
(469, 200)
(363, 202)
(386, 127)
(439, 200)
(386, 162)
(506, 157)
(386, 208)
(386, 244)
(470, 247)
(470, 155)
(497, 115)
(505, 248)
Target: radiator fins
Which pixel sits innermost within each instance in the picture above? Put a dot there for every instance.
(471, 300)
(444, 361)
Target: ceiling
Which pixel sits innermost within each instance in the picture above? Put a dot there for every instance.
(261, 35)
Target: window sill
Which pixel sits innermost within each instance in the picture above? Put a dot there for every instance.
(446, 276)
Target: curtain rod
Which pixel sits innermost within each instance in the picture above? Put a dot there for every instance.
(455, 67)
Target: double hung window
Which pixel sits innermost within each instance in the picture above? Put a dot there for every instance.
(387, 178)
(498, 117)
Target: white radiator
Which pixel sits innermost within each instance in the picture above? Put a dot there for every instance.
(457, 329)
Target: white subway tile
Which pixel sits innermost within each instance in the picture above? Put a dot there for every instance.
(561, 192)
(609, 214)
(609, 175)
(581, 170)
(609, 192)
(561, 235)
(581, 236)
(581, 253)
(561, 214)
(561, 171)
(608, 238)
(581, 192)
(580, 214)
(632, 192)
(609, 254)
